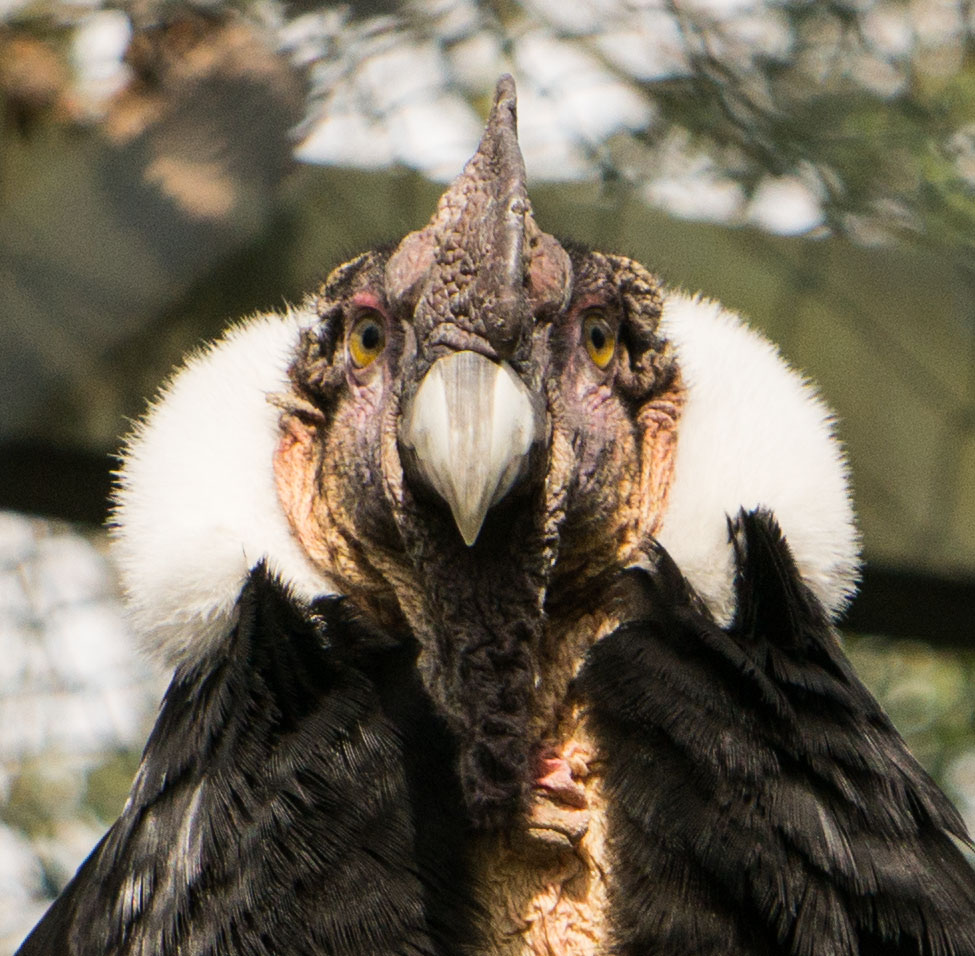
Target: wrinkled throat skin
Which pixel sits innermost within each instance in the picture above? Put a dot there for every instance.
(481, 416)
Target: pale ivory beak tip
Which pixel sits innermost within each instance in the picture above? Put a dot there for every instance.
(469, 526)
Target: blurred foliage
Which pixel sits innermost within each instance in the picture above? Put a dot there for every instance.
(927, 693)
(47, 790)
(868, 105)
(884, 134)
(108, 783)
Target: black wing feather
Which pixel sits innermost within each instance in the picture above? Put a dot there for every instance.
(761, 800)
(292, 799)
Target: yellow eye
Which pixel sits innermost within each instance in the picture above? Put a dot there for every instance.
(599, 337)
(367, 339)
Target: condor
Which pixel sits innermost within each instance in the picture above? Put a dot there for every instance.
(499, 585)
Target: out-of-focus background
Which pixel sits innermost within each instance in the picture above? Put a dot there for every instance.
(166, 166)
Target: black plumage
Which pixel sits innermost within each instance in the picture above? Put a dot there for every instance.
(761, 800)
(469, 658)
(290, 800)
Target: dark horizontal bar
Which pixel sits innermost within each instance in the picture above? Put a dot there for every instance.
(72, 484)
(53, 481)
(901, 602)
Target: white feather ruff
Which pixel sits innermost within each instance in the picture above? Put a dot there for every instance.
(197, 506)
(753, 434)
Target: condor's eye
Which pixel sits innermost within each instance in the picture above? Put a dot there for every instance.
(367, 339)
(599, 337)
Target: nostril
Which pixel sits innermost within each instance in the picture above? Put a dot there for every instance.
(506, 322)
(503, 336)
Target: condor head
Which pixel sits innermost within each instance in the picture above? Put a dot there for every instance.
(480, 430)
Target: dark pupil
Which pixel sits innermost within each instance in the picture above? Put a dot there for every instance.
(598, 338)
(369, 337)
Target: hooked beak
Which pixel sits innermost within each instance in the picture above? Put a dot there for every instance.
(471, 426)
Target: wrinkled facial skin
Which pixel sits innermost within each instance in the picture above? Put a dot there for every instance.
(592, 491)
(577, 457)
(329, 464)
(601, 402)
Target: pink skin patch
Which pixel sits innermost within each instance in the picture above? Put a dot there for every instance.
(553, 775)
(368, 300)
